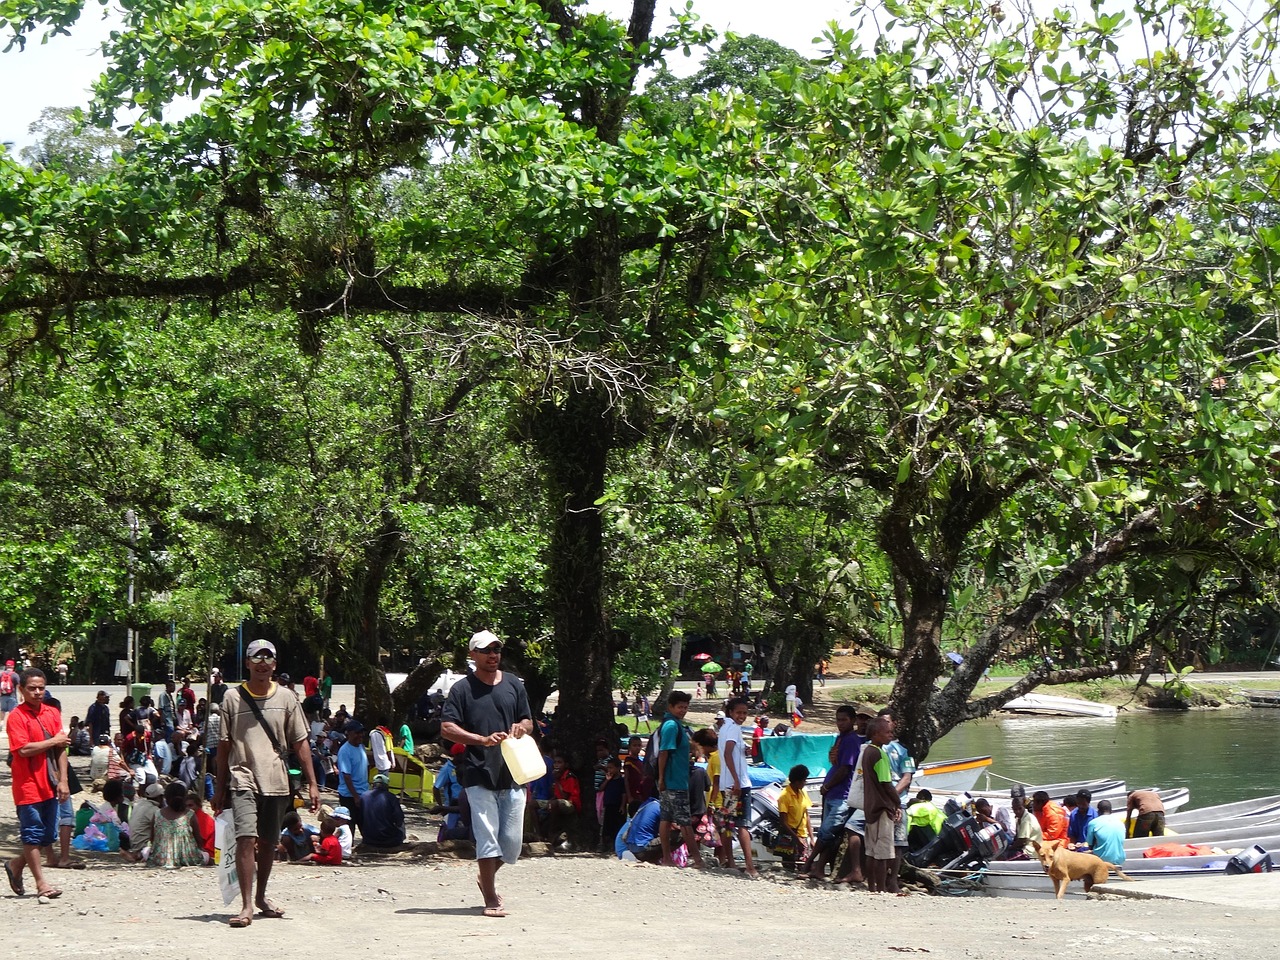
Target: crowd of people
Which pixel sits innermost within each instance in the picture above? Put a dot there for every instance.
(171, 756)
(263, 750)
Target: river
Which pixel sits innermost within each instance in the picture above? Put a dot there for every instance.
(1221, 756)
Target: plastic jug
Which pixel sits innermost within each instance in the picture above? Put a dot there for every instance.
(523, 759)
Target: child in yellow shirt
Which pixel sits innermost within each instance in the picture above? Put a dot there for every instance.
(793, 806)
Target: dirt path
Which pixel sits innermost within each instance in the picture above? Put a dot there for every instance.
(585, 907)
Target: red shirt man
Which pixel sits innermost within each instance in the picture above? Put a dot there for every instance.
(35, 729)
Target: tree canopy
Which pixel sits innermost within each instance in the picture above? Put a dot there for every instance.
(395, 322)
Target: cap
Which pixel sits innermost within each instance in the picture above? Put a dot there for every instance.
(484, 638)
(382, 778)
(103, 693)
(720, 715)
(259, 645)
(341, 813)
(284, 678)
(154, 791)
(353, 726)
(218, 672)
(862, 710)
(8, 663)
(104, 738)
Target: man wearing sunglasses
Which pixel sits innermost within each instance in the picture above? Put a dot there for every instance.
(484, 709)
(261, 722)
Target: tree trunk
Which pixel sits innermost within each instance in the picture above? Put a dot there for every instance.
(574, 439)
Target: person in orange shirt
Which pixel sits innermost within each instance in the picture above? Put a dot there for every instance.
(1053, 819)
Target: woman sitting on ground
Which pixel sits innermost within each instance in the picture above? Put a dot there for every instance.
(177, 842)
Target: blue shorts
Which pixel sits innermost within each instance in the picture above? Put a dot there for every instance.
(8, 702)
(66, 813)
(38, 823)
(497, 819)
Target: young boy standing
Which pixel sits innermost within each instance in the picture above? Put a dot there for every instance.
(673, 780)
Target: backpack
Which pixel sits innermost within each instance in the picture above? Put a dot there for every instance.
(6, 682)
(651, 750)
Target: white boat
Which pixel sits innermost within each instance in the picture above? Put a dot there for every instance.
(1029, 875)
(1060, 706)
(955, 776)
(1262, 806)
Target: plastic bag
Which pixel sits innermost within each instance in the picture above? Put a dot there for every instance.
(224, 838)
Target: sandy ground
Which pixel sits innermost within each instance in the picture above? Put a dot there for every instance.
(584, 906)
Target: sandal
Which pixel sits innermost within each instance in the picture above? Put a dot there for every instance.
(494, 912)
(52, 893)
(15, 880)
(237, 923)
(269, 911)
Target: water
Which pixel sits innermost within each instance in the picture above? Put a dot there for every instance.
(1220, 756)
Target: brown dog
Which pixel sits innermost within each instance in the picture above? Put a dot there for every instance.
(1065, 865)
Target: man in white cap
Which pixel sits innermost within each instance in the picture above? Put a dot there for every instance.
(483, 709)
(261, 722)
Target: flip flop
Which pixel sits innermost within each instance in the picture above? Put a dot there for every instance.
(271, 912)
(53, 893)
(494, 912)
(237, 923)
(15, 881)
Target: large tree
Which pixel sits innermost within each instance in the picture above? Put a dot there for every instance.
(1010, 250)
(276, 195)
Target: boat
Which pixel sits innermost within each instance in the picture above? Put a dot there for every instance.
(954, 776)
(1028, 875)
(1060, 706)
(780, 754)
(1262, 806)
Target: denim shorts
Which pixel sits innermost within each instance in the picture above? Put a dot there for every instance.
(66, 813)
(38, 823)
(497, 819)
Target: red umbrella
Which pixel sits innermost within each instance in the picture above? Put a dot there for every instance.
(701, 656)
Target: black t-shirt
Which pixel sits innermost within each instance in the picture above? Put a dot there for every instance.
(482, 709)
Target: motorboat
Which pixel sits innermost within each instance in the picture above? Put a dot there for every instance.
(1060, 706)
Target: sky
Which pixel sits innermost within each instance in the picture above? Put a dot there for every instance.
(59, 73)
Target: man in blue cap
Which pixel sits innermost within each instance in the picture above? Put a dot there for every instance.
(353, 771)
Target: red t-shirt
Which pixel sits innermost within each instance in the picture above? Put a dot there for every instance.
(310, 686)
(330, 852)
(566, 788)
(30, 776)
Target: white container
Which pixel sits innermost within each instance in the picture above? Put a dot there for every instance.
(523, 759)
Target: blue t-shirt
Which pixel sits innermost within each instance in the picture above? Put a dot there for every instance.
(674, 737)
(353, 762)
(640, 829)
(1078, 824)
(1105, 836)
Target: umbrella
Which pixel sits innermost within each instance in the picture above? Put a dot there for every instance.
(697, 657)
(711, 667)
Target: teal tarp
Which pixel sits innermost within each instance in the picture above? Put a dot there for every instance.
(811, 749)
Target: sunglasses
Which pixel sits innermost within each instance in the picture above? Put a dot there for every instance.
(493, 650)
(263, 657)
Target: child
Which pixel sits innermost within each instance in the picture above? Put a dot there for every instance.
(330, 852)
(296, 841)
(797, 714)
(612, 800)
(793, 808)
(697, 693)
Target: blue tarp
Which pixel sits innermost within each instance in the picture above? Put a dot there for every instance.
(811, 749)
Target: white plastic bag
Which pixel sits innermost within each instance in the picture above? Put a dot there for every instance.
(224, 839)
